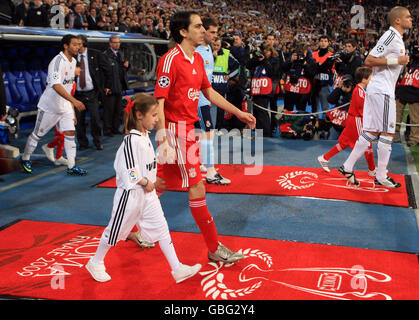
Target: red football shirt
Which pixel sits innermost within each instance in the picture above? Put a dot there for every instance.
(179, 80)
(356, 108)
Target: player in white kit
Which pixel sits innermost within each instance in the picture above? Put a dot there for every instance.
(387, 59)
(135, 199)
(56, 106)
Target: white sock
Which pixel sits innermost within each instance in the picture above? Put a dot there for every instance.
(101, 251)
(383, 153)
(166, 246)
(359, 149)
(70, 150)
(30, 146)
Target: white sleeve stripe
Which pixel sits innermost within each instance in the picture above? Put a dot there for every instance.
(168, 60)
(57, 63)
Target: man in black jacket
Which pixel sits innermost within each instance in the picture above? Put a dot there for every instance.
(92, 83)
(119, 82)
(37, 15)
(349, 60)
(7, 11)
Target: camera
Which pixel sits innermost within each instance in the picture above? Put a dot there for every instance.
(227, 40)
(11, 119)
(339, 55)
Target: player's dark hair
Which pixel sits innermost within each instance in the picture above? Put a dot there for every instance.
(67, 40)
(142, 103)
(353, 42)
(180, 20)
(83, 39)
(209, 21)
(362, 73)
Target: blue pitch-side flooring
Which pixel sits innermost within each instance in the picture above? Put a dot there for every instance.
(47, 195)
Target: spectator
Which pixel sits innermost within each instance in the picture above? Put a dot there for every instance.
(148, 28)
(7, 12)
(76, 19)
(408, 93)
(92, 20)
(113, 99)
(21, 13)
(92, 83)
(37, 15)
(124, 25)
(241, 53)
(324, 75)
(264, 68)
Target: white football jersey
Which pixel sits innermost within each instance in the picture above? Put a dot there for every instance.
(135, 159)
(60, 71)
(384, 78)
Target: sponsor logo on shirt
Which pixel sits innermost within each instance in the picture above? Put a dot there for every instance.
(193, 94)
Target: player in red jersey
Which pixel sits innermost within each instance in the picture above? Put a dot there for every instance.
(353, 125)
(180, 77)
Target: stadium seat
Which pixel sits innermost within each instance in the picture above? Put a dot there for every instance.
(13, 96)
(26, 98)
(37, 82)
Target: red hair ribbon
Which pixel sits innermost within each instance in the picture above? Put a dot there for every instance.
(129, 106)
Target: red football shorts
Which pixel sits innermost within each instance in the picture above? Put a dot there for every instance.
(351, 133)
(185, 172)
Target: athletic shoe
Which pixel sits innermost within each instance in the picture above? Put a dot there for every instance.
(218, 179)
(138, 239)
(350, 175)
(224, 254)
(185, 272)
(49, 152)
(324, 163)
(372, 173)
(98, 271)
(61, 161)
(76, 171)
(387, 182)
(26, 165)
(203, 168)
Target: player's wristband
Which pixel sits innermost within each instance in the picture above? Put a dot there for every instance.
(146, 183)
(392, 61)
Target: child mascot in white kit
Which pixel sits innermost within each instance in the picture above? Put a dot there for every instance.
(135, 199)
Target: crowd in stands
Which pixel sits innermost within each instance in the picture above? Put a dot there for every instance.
(293, 28)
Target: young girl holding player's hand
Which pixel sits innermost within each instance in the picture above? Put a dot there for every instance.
(135, 199)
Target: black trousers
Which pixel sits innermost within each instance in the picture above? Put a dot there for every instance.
(292, 99)
(262, 116)
(91, 102)
(112, 113)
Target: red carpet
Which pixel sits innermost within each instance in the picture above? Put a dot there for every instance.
(46, 260)
(306, 182)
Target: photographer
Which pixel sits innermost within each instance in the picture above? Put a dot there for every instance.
(299, 73)
(339, 96)
(408, 93)
(264, 69)
(348, 60)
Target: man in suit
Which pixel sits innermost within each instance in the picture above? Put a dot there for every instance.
(92, 19)
(112, 113)
(92, 84)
